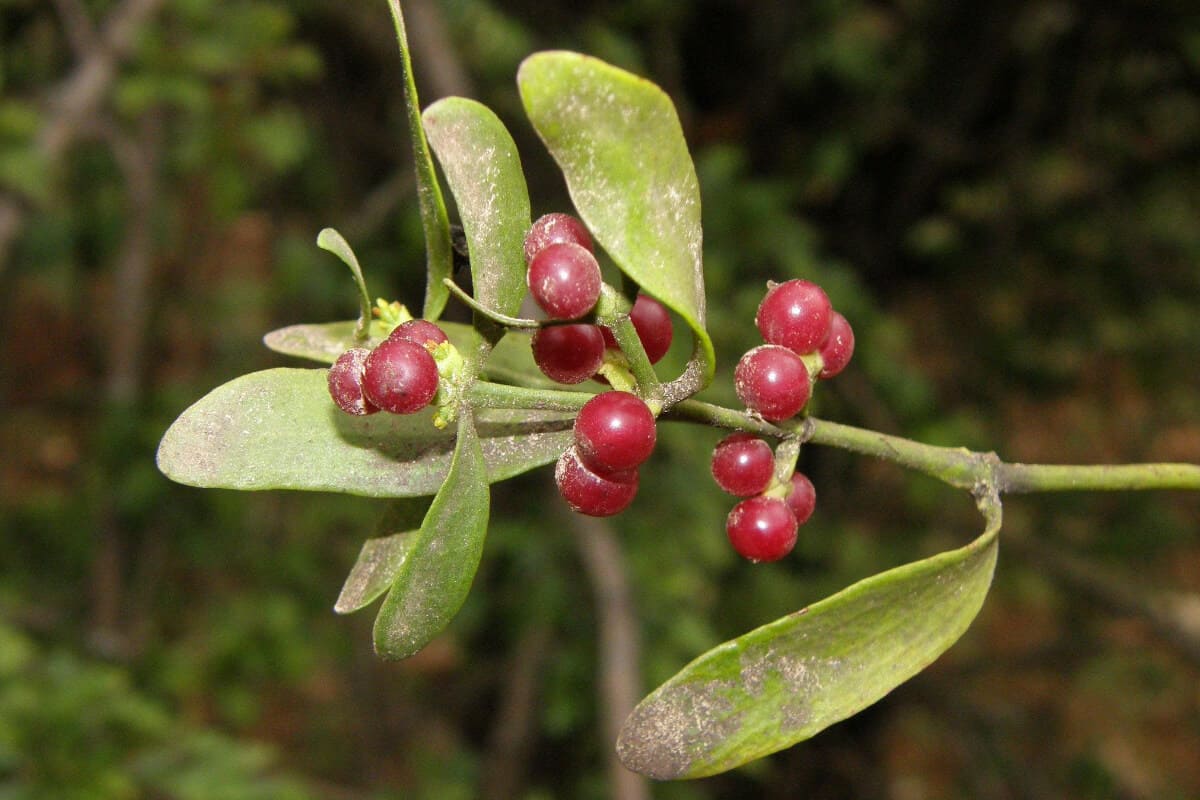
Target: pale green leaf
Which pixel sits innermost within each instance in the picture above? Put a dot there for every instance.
(788, 680)
(381, 557)
(618, 141)
(325, 341)
(333, 242)
(278, 429)
(436, 574)
(481, 165)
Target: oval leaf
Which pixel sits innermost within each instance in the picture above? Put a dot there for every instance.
(483, 169)
(788, 680)
(620, 146)
(440, 565)
(325, 341)
(278, 429)
(380, 559)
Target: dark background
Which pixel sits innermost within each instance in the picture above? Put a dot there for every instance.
(1003, 198)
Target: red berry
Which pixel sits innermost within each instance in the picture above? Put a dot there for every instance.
(400, 376)
(742, 464)
(794, 314)
(564, 280)
(761, 528)
(838, 347)
(419, 331)
(652, 322)
(614, 432)
(552, 228)
(568, 353)
(589, 493)
(802, 497)
(346, 382)
(773, 381)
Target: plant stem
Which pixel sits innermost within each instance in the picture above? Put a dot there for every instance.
(1024, 478)
(485, 394)
(434, 219)
(957, 466)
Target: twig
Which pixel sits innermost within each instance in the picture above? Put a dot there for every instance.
(1117, 594)
(508, 745)
(620, 680)
(77, 99)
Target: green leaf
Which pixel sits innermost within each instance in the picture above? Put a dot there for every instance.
(332, 241)
(481, 164)
(620, 146)
(436, 575)
(325, 341)
(278, 429)
(439, 257)
(380, 559)
(788, 680)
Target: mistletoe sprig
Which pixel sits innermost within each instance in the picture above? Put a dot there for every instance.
(487, 412)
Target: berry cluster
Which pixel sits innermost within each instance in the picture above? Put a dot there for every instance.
(763, 526)
(564, 280)
(399, 375)
(805, 340)
(614, 435)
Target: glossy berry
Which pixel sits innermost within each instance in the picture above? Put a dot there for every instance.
(564, 280)
(420, 331)
(794, 314)
(568, 353)
(590, 493)
(346, 382)
(838, 348)
(614, 432)
(653, 325)
(773, 381)
(802, 497)
(761, 528)
(742, 464)
(400, 376)
(553, 228)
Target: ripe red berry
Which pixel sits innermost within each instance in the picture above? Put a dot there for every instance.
(346, 382)
(400, 376)
(794, 314)
(590, 493)
(652, 322)
(419, 331)
(568, 353)
(838, 348)
(742, 464)
(773, 381)
(564, 280)
(761, 528)
(552, 228)
(802, 497)
(614, 432)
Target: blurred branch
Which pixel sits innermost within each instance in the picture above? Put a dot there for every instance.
(78, 26)
(77, 99)
(1115, 593)
(619, 649)
(516, 722)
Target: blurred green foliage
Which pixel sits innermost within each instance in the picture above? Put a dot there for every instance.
(1005, 201)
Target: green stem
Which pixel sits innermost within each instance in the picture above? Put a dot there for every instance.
(612, 311)
(1024, 478)
(494, 316)
(439, 261)
(485, 394)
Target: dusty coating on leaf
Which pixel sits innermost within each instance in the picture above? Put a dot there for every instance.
(481, 164)
(378, 562)
(433, 582)
(279, 429)
(620, 145)
(790, 679)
